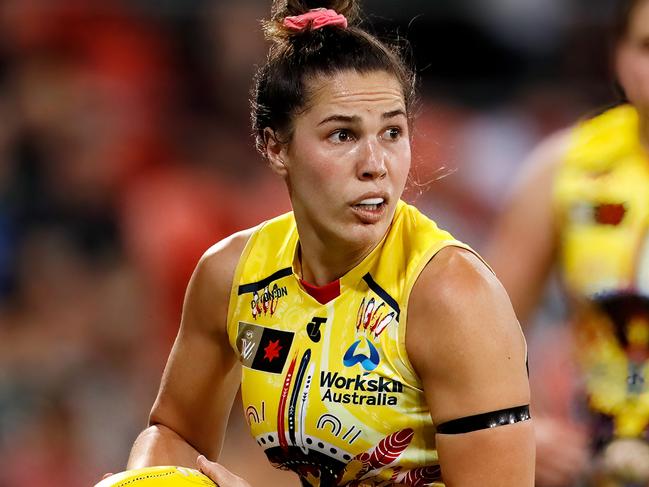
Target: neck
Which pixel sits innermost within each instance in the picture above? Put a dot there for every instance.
(323, 262)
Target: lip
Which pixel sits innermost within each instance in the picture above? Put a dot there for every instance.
(367, 216)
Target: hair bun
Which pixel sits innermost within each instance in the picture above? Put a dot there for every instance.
(285, 8)
(281, 9)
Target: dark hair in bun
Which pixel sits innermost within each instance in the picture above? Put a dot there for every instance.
(275, 30)
(294, 57)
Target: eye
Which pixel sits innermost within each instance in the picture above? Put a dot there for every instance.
(341, 136)
(392, 133)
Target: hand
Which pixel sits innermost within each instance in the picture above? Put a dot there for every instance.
(219, 474)
(561, 452)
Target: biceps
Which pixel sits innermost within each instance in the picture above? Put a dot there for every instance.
(198, 386)
(483, 379)
(501, 456)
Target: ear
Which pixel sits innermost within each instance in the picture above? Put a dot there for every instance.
(276, 152)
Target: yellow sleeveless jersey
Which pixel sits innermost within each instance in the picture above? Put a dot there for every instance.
(601, 195)
(328, 390)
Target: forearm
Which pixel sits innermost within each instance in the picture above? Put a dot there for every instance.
(159, 445)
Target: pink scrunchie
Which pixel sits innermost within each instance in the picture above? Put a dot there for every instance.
(315, 19)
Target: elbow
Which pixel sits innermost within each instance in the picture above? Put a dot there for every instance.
(157, 425)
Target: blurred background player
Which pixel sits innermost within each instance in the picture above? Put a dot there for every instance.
(582, 205)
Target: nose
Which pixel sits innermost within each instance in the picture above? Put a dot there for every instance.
(372, 161)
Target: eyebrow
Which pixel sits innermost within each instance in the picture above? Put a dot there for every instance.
(341, 118)
(393, 113)
(356, 118)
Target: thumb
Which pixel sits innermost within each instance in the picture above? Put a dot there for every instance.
(219, 474)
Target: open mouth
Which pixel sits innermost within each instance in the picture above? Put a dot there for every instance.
(370, 210)
(370, 204)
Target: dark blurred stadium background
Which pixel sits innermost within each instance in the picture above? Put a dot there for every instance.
(125, 152)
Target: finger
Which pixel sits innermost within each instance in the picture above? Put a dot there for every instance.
(218, 473)
(106, 475)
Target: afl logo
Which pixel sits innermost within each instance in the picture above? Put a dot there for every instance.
(369, 363)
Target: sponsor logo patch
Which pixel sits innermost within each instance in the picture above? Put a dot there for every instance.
(264, 302)
(313, 328)
(359, 389)
(368, 361)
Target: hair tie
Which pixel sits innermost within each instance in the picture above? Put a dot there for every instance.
(314, 19)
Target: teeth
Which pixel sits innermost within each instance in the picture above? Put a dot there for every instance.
(372, 201)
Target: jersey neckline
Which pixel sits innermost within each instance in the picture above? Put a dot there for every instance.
(353, 275)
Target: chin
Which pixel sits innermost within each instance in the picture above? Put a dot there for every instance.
(364, 234)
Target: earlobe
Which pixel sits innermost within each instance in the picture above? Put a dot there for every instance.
(275, 152)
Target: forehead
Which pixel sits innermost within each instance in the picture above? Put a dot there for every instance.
(352, 91)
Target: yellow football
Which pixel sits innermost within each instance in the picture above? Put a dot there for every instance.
(158, 477)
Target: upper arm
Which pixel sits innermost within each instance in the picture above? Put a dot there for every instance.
(202, 373)
(522, 247)
(466, 345)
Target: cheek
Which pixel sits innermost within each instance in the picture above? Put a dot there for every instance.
(402, 166)
(643, 74)
(633, 72)
(315, 174)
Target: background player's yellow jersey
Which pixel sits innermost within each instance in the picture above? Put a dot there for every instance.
(328, 389)
(602, 198)
(602, 206)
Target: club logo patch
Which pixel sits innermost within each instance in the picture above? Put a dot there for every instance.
(262, 348)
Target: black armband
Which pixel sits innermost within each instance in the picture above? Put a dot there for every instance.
(482, 421)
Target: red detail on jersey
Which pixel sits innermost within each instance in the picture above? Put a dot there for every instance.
(384, 453)
(322, 294)
(372, 317)
(610, 213)
(281, 411)
(272, 350)
(420, 476)
(390, 448)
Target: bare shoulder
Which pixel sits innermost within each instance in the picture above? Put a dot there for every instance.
(463, 336)
(524, 238)
(207, 297)
(219, 262)
(454, 279)
(529, 198)
(547, 156)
